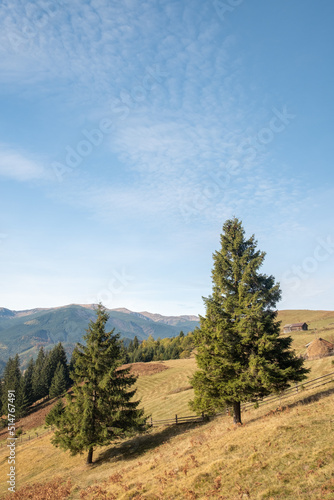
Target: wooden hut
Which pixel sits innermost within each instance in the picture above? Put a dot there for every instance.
(295, 327)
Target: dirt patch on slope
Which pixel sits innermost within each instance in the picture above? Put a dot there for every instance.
(35, 419)
(144, 369)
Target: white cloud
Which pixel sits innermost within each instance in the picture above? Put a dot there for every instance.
(14, 165)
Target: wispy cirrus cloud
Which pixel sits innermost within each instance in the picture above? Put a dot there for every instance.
(200, 169)
(189, 140)
(94, 47)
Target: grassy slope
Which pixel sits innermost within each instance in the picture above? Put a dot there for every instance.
(157, 391)
(283, 455)
(315, 319)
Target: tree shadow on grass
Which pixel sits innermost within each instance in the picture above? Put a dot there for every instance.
(312, 398)
(139, 445)
(39, 405)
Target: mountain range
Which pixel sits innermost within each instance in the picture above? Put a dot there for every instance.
(24, 332)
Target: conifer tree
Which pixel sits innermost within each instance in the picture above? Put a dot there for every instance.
(56, 356)
(61, 355)
(11, 380)
(39, 377)
(1, 394)
(240, 353)
(71, 366)
(58, 383)
(28, 381)
(55, 414)
(102, 408)
(135, 343)
(21, 400)
(50, 365)
(130, 347)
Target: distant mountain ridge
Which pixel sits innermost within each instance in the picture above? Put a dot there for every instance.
(24, 332)
(158, 318)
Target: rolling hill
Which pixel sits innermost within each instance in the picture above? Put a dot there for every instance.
(280, 452)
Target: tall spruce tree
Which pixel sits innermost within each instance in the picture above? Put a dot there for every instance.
(58, 384)
(62, 359)
(240, 353)
(28, 381)
(56, 356)
(39, 376)
(101, 408)
(11, 381)
(21, 400)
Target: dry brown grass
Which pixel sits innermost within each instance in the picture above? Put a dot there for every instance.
(279, 453)
(56, 489)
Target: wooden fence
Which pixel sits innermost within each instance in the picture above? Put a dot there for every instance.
(31, 436)
(297, 388)
(177, 420)
(311, 384)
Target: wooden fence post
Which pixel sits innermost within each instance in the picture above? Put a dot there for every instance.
(176, 419)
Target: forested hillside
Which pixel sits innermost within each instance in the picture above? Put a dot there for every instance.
(24, 332)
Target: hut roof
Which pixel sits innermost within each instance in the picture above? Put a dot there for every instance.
(294, 324)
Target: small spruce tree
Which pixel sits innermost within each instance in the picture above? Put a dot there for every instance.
(135, 343)
(39, 376)
(21, 400)
(62, 359)
(11, 380)
(58, 384)
(28, 381)
(102, 406)
(240, 353)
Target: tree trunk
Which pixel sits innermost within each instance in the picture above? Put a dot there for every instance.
(90, 456)
(236, 412)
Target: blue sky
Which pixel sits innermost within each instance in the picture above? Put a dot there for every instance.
(130, 131)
